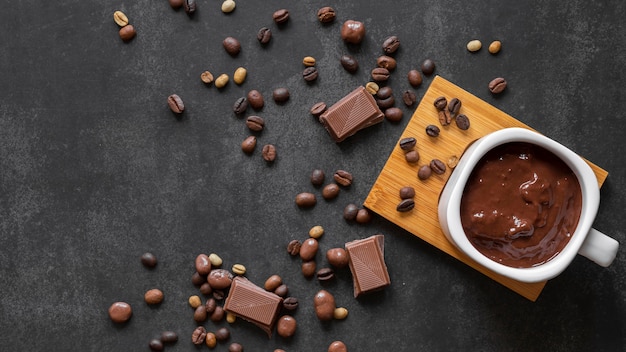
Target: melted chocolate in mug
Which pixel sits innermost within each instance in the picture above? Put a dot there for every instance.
(520, 205)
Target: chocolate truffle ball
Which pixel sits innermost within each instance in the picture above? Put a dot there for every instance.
(353, 31)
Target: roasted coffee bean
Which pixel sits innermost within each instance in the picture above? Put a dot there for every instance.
(343, 178)
(197, 279)
(407, 192)
(169, 337)
(210, 340)
(235, 347)
(219, 295)
(310, 74)
(391, 44)
(363, 216)
(222, 334)
(293, 247)
(290, 303)
(406, 205)
(337, 346)
(387, 62)
(240, 75)
(415, 78)
(255, 99)
(199, 315)
(317, 177)
(264, 35)
(120, 312)
(454, 106)
(156, 345)
(337, 257)
(407, 143)
(190, 6)
(148, 260)
(428, 67)
(350, 212)
(308, 61)
(269, 153)
(352, 31)
(326, 14)
(438, 166)
(440, 103)
(240, 106)
(325, 274)
(255, 123)
(318, 109)
(280, 95)
(394, 114)
(444, 117)
(153, 296)
(380, 74)
(495, 47)
(384, 92)
(412, 156)
(349, 63)
(281, 16)
(218, 313)
(324, 303)
(306, 200)
(372, 88)
(198, 336)
(282, 290)
(206, 77)
(120, 18)
(210, 305)
(386, 103)
(248, 144)
(220, 279)
(432, 131)
(330, 191)
(308, 250)
(409, 98)
(308, 268)
(497, 85)
(127, 33)
(206, 289)
(272, 283)
(203, 265)
(286, 326)
(462, 122)
(232, 46)
(424, 172)
(176, 104)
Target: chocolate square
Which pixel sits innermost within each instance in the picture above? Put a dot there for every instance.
(367, 264)
(252, 303)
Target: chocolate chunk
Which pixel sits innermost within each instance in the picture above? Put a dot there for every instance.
(355, 111)
(367, 264)
(252, 303)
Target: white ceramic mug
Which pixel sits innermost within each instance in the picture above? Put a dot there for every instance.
(586, 241)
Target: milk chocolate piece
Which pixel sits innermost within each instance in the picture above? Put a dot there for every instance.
(355, 111)
(252, 303)
(367, 264)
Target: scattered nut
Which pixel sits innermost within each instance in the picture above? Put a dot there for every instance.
(474, 45)
(495, 47)
(316, 231)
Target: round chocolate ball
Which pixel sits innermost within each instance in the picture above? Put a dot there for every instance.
(353, 31)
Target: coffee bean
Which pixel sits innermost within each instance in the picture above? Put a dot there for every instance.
(169, 337)
(337, 257)
(255, 99)
(440, 103)
(407, 192)
(454, 106)
(387, 62)
(340, 313)
(120, 18)
(385, 103)
(269, 153)
(452, 161)
(349, 63)
(409, 98)
(222, 334)
(412, 156)
(343, 178)
(350, 212)
(372, 88)
(235, 347)
(405, 205)
(155, 345)
(210, 305)
(176, 4)
(308, 61)
(148, 260)
(428, 67)
(308, 250)
(407, 143)
(474, 45)
(324, 303)
(391, 44)
(197, 279)
(190, 7)
(272, 283)
(308, 268)
(444, 117)
(120, 312)
(325, 274)
(281, 290)
(495, 47)
(232, 46)
(497, 85)
(153, 296)
(248, 144)
(203, 265)
(290, 303)
(200, 315)
(415, 78)
(384, 92)
(317, 177)
(264, 35)
(306, 200)
(206, 289)
(198, 336)
(326, 14)
(240, 75)
(220, 279)
(240, 106)
(206, 77)
(228, 6)
(310, 74)
(293, 247)
(221, 81)
(462, 122)
(210, 340)
(432, 130)
(394, 114)
(363, 216)
(281, 16)
(438, 166)
(255, 123)
(127, 33)
(424, 172)
(337, 346)
(380, 74)
(218, 313)
(330, 191)
(353, 31)
(280, 95)
(318, 109)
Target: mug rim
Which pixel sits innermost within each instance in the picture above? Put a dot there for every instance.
(450, 203)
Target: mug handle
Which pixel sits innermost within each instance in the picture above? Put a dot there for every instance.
(599, 247)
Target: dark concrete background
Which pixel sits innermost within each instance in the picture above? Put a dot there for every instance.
(95, 170)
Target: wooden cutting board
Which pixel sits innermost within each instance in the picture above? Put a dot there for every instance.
(423, 221)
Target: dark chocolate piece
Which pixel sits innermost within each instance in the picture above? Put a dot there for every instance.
(252, 303)
(355, 111)
(367, 264)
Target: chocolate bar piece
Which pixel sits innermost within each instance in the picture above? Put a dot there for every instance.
(367, 264)
(352, 113)
(252, 303)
